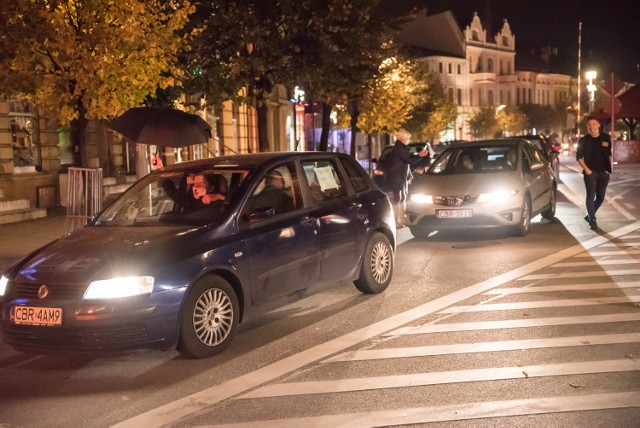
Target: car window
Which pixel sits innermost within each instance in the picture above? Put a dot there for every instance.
(474, 160)
(277, 190)
(355, 174)
(181, 197)
(323, 181)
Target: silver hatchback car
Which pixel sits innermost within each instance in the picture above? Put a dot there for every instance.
(483, 184)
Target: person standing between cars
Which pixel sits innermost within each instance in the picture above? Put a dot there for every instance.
(397, 173)
(594, 156)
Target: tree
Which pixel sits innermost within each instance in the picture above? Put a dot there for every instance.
(329, 48)
(511, 121)
(391, 97)
(94, 59)
(484, 124)
(435, 113)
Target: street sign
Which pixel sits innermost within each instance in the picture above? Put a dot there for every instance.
(612, 105)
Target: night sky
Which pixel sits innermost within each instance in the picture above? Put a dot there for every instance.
(610, 29)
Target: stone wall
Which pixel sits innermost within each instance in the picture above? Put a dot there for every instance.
(626, 151)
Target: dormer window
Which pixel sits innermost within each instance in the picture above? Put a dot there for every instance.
(505, 41)
(474, 36)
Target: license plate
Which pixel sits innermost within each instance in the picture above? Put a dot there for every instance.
(454, 213)
(34, 315)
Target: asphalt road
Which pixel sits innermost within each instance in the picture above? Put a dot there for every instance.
(476, 329)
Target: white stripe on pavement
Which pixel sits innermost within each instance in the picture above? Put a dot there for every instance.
(568, 287)
(479, 347)
(521, 323)
(190, 404)
(541, 304)
(597, 263)
(588, 274)
(438, 378)
(456, 412)
(630, 251)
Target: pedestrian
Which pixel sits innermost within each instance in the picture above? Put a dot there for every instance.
(594, 156)
(398, 174)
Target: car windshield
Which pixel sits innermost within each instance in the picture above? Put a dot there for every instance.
(193, 197)
(474, 160)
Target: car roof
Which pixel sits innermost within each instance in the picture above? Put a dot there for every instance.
(247, 161)
(492, 142)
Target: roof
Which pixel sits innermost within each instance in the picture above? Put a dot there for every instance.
(630, 103)
(437, 34)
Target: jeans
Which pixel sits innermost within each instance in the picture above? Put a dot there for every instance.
(596, 186)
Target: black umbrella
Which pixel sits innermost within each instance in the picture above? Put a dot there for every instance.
(162, 127)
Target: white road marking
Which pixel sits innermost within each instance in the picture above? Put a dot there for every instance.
(589, 274)
(439, 378)
(568, 287)
(609, 253)
(596, 263)
(541, 304)
(479, 347)
(185, 406)
(456, 412)
(521, 323)
(620, 244)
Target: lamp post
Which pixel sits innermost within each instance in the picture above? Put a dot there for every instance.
(591, 76)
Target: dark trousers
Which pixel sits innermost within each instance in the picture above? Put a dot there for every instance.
(596, 186)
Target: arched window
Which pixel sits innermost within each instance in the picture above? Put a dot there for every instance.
(505, 41)
(474, 36)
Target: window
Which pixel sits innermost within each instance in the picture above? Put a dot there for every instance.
(277, 191)
(490, 65)
(470, 97)
(490, 97)
(459, 96)
(450, 68)
(440, 68)
(459, 69)
(474, 36)
(323, 181)
(355, 176)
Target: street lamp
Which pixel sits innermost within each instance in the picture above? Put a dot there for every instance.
(591, 76)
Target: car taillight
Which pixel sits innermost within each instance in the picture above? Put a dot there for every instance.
(378, 172)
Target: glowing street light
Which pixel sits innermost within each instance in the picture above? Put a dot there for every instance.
(591, 76)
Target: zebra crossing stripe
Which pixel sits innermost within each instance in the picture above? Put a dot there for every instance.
(589, 274)
(479, 347)
(439, 378)
(520, 323)
(568, 287)
(608, 253)
(456, 412)
(596, 263)
(541, 304)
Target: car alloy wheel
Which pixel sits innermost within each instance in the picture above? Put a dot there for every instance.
(377, 265)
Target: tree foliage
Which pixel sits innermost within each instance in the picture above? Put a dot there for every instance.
(90, 59)
(436, 113)
(484, 124)
(391, 97)
(511, 121)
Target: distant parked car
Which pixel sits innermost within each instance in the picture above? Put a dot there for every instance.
(418, 164)
(483, 184)
(549, 149)
(162, 268)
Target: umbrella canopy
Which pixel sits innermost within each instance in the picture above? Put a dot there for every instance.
(162, 126)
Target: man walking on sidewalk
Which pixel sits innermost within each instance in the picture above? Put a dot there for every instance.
(594, 156)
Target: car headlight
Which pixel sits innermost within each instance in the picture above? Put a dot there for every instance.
(499, 196)
(119, 287)
(421, 199)
(3, 285)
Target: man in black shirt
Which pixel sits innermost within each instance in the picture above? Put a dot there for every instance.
(594, 156)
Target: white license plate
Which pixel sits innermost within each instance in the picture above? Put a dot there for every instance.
(34, 315)
(454, 213)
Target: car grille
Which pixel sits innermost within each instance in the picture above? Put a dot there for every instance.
(76, 339)
(57, 291)
(454, 201)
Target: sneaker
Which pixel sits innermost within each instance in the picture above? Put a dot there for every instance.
(593, 225)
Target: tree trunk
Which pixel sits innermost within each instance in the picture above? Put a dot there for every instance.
(354, 132)
(78, 130)
(263, 134)
(326, 127)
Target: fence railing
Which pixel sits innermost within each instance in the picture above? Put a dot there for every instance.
(84, 197)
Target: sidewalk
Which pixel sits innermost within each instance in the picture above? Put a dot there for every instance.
(19, 239)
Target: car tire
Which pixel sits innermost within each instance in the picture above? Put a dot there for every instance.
(377, 265)
(550, 212)
(419, 232)
(209, 318)
(524, 226)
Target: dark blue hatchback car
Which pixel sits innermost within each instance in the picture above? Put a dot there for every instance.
(192, 250)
